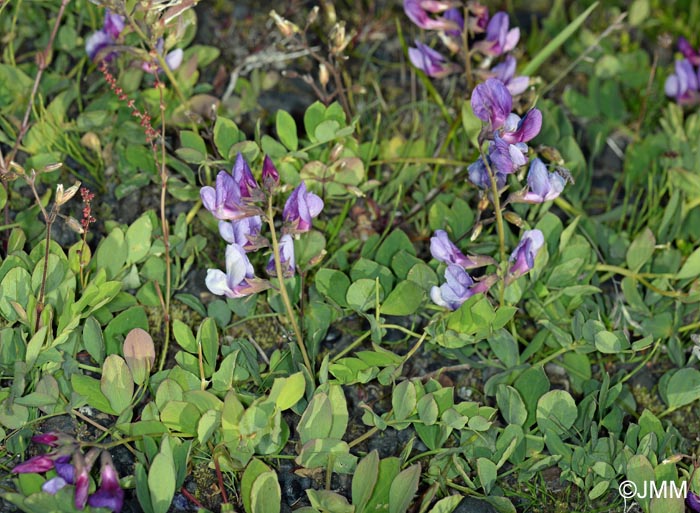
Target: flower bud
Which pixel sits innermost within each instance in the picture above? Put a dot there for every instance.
(313, 16)
(65, 196)
(514, 219)
(286, 27)
(140, 354)
(323, 75)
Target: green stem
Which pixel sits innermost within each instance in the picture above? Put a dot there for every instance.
(283, 288)
(498, 214)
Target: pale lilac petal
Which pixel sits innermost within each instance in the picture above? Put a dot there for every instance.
(237, 265)
(518, 85)
(672, 87)
(96, 42)
(538, 178)
(113, 24)
(511, 39)
(174, 59)
(216, 282)
(491, 102)
(53, 485)
(208, 195)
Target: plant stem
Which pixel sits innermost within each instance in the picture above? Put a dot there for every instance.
(283, 288)
(498, 214)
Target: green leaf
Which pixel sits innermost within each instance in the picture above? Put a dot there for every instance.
(111, 253)
(403, 400)
(405, 299)
(361, 294)
(447, 505)
(116, 383)
(395, 242)
(364, 480)
(558, 40)
(15, 289)
(254, 470)
(691, 267)
(333, 284)
(511, 405)
(184, 336)
(641, 250)
(92, 339)
(181, 417)
(403, 488)
(287, 130)
(325, 500)
(610, 343)
(90, 389)
(556, 411)
(486, 469)
(641, 473)
(286, 392)
(308, 248)
(683, 388)
(138, 239)
(226, 134)
(194, 149)
(161, 478)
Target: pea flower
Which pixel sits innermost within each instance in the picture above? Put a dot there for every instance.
(479, 175)
(505, 72)
(36, 464)
(243, 177)
(454, 15)
(479, 19)
(173, 59)
(417, 11)
(491, 102)
(106, 36)
(239, 279)
(692, 500)
(499, 39)
(683, 84)
(429, 61)
(444, 250)
(507, 158)
(543, 185)
(300, 208)
(458, 287)
(520, 130)
(109, 494)
(270, 175)
(223, 200)
(244, 232)
(688, 52)
(286, 246)
(523, 257)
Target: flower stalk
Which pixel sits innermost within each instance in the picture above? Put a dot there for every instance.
(274, 242)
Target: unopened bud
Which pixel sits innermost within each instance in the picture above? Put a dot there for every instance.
(74, 225)
(53, 167)
(313, 16)
(483, 203)
(673, 459)
(477, 231)
(323, 75)
(336, 152)
(514, 219)
(339, 39)
(286, 27)
(329, 12)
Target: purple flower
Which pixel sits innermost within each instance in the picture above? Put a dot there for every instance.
(300, 208)
(286, 258)
(173, 59)
(107, 36)
(65, 469)
(543, 186)
(479, 19)
(37, 464)
(243, 177)
(492, 103)
(692, 500)
(523, 257)
(479, 175)
(458, 287)
(507, 158)
(455, 15)
(683, 84)
(224, 200)
(109, 494)
(239, 279)
(499, 39)
(82, 480)
(270, 175)
(244, 232)
(505, 72)
(429, 61)
(417, 12)
(444, 250)
(520, 130)
(53, 485)
(49, 439)
(113, 24)
(688, 52)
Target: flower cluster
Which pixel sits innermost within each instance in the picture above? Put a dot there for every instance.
(459, 285)
(684, 84)
(72, 468)
(97, 44)
(235, 201)
(508, 133)
(447, 18)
